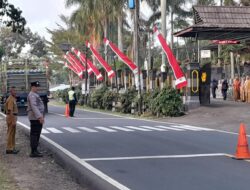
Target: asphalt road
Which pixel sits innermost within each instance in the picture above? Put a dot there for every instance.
(148, 155)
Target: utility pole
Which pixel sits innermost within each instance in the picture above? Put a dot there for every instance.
(136, 53)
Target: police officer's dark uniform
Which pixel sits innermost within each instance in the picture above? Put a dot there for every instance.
(11, 119)
(36, 116)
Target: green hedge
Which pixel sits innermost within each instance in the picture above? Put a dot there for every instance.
(165, 102)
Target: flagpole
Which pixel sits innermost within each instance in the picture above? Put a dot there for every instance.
(136, 50)
(86, 76)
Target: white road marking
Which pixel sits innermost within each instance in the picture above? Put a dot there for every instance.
(186, 128)
(54, 130)
(87, 129)
(57, 114)
(70, 129)
(153, 128)
(200, 128)
(94, 118)
(44, 131)
(156, 157)
(137, 128)
(105, 129)
(169, 128)
(121, 128)
(82, 162)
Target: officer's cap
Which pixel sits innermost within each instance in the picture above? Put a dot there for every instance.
(36, 84)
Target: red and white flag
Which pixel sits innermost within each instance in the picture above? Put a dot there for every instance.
(73, 65)
(179, 76)
(105, 65)
(73, 69)
(78, 63)
(91, 66)
(121, 55)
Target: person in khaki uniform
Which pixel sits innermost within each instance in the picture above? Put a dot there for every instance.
(11, 119)
(36, 116)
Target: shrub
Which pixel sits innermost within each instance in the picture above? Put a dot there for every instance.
(168, 103)
(108, 98)
(126, 100)
(96, 98)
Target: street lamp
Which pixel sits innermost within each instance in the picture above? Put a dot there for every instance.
(65, 47)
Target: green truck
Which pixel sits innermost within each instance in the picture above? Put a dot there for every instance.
(20, 73)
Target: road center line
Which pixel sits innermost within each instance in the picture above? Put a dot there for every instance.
(155, 157)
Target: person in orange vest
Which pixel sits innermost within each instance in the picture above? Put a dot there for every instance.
(242, 89)
(236, 88)
(11, 119)
(247, 89)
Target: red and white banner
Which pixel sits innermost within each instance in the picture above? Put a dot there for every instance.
(105, 65)
(121, 55)
(73, 69)
(91, 66)
(73, 65)
(179, 76)
(78, 63)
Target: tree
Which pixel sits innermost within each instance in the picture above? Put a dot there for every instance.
(13, 43)
(230, 3)
(245, 2)
(206, 2)
(16, 21)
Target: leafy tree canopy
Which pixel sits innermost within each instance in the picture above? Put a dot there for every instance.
(15, 21)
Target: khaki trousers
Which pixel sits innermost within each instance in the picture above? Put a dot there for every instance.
(11, 132)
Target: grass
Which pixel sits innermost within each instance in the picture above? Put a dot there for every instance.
(6, 182)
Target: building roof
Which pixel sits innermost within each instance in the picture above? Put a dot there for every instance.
(218, 22)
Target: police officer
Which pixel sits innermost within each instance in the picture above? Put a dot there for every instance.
(36, 116)
(72, 101)
(11, 119)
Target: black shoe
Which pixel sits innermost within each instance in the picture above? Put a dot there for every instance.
(36, 155)
(12, 151)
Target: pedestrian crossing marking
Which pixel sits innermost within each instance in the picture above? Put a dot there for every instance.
(153, 128)
(70, 129)
(54, 130)
(106, 129)
(113, 129)
(200, 128)
(137, 128)
(87, 129)
(121, 128)
(185, 127)
(44, 131)
(169, 128)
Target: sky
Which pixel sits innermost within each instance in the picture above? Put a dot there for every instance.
(42, 14)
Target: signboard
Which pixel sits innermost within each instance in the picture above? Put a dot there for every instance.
(205, 54)
(225, 42)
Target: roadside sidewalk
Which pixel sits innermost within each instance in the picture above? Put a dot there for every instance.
(221, 115)
(20, 172)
